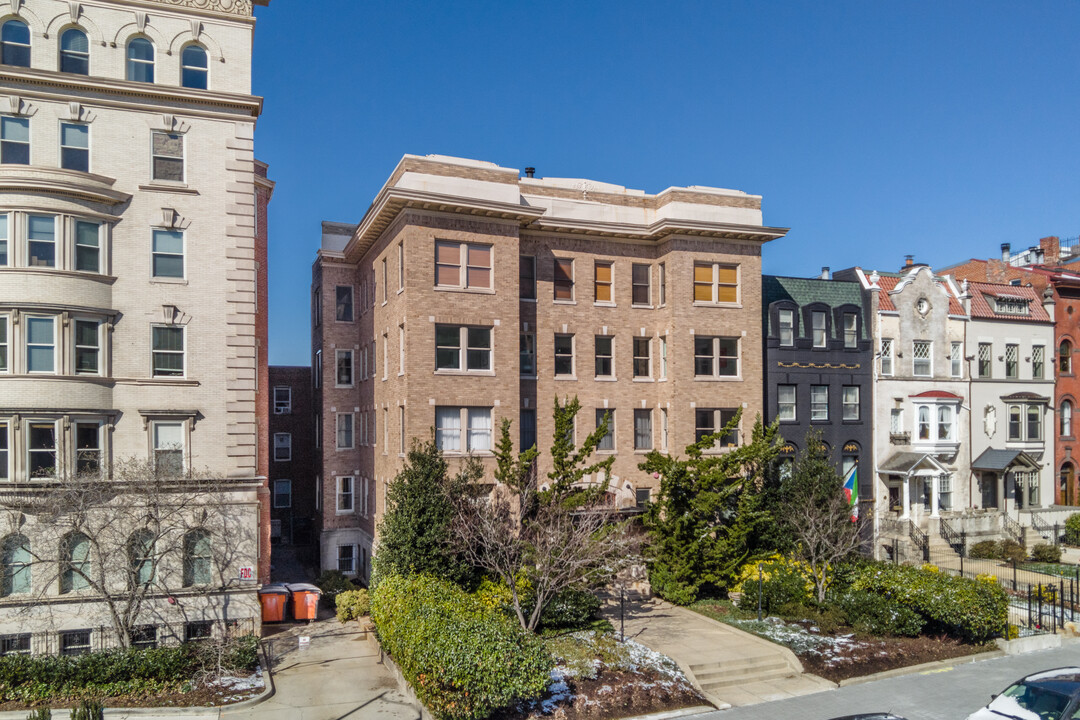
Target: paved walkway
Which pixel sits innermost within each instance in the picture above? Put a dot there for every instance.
(338, 676)
(730, 667)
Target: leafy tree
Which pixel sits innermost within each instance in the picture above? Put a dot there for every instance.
(709, 513)
(414, 535)
(570, 463)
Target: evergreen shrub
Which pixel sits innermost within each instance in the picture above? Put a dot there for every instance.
(985, 550)
(1046, 553)
(874, 614)
(1072, 529)
(352, 605)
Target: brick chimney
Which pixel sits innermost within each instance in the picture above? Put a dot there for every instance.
(1051, 250)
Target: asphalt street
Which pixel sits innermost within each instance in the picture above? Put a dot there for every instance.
(942, 694)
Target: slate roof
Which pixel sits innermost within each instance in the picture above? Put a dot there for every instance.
(807, 291)
(901, 463)
(1001, 460)
(982, 293)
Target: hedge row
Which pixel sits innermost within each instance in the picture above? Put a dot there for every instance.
(974, 610)
(464, 660)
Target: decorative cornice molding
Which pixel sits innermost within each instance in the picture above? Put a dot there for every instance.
(229, 7)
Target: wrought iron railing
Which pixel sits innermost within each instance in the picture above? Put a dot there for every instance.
(1043, 528)
(921, 539)
(956, 539)
(1012, 528)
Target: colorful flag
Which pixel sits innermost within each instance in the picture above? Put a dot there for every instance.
(851, 491)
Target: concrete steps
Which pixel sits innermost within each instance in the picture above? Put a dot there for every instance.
(718, 675)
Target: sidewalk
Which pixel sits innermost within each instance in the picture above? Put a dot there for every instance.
(729, 666)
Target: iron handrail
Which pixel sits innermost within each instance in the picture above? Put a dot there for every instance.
(956, 540)
(1012, 527)
(921, 539)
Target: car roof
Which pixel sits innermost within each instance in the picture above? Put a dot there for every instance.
(1064, 681)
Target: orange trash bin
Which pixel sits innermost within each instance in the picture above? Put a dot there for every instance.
(305, 601)
(273, 599)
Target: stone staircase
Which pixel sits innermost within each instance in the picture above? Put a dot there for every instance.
(754, 677)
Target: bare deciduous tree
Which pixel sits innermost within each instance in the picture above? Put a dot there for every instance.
(826, 534)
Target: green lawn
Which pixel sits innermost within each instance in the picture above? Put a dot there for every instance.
(1056, 569)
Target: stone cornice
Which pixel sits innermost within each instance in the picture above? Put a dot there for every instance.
(56, 181)
(241, 9)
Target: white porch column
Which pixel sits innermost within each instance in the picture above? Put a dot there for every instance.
(935, 488)
(905, 498)
(1003, 501)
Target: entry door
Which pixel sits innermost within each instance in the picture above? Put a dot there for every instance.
(988, 484)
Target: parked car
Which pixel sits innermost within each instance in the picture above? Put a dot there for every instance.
(1047, 695)
(870, 716)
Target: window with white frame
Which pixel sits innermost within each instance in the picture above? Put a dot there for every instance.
(921, 364)
(851, 402)
(75, 146)
(282, 400)
(168, 440)
(4, 342)
(462, 348)
(819, 402)
(1038, 362)
(604, 356)
(40, 344)
(923, 422)
(15, 43)
(345, 484)
(663, 430)
(87, 246)
(527, 354)
(88, 451)
(817, 328)
(401, 266)
(986, 361)
(385, 282)
(345, 434)
(785, 403)
(527, 277)
(1025, 422)
(463, 429)
(41, 240)
(785, 321)
(641, 281)
(944, 422)
(1065, 412)
(343, 303)
(346, 559)
(643, 429)
(41, 449)
(945, 491)
(956, 360)
(715, 283)
(1012, 361)
(5, 450)
(5, 242)
(167, 156)
(563, 282)
(283, 493)
(282, 447)
(167, 256)
(344, 375)
(168, 351)
(607, 442)
(716, 357)
(851, 330)
(140, 60)
(194, 68)
(14, 140)
(385, 354)
(662, 285)
(896, 421)
(886, 356)
(642, 357)
(564, 355)
(87, 347)
(462, 265)
(74, 52)
(936, 423)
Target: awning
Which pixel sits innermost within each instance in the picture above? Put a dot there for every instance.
(906, 463)
(1004, 460)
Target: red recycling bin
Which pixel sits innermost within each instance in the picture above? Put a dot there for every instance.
(273, 599)
(305, 601)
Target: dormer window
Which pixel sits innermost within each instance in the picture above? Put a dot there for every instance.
(1011, 306)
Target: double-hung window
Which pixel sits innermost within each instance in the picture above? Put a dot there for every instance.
(41, 240)
(169, 448)
(282, 447)
(956, 360)
(14, 140)
(282, 400)
(5, 451)
(1038, 361)
(344, 303)
(345, 496)
(140, 60)
(168, 254)
(564, 355)
(642, 357)
(167, 157)
(168, 351)
(15, 44)
(710, 421)
(527, 277)
(643, 429)
(527, 354)
(462, 265)
(345, 431)
(449, 422)
(716, 357)
(817, 326)
(41, 344)
(75, 52)
(921, 364)
(785, 403)
(715, 283)
(886, 356)
(819, 402)
(344, 368)
(41, 449)
(87, 347)
(786, 326)
(944, 422)
(1012, 361)
(88, 448)
(851, 330)
(603, 281)
(194, 68)
(985, 360)
(87, 246)
(641, 280)
(563, 283)
(75, 146)
(663, 284)
(5, 242)
(3, 343)
(450, 340)
(924, 422)
(851, 402)
(607, 442)
(605, 366)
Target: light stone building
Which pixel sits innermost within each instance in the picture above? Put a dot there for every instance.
(130, 264)
(469, 294)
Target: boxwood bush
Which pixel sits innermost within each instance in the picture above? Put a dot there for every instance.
(1046, 553)
(985, 550)
(972, 610)
(352, 605)
(463, 660)
(875, 614)
(1072, 529)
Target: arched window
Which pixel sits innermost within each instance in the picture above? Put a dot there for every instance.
(1065, 358)
(15, 558)
(924, 422)
(75, 556)
(141, 556)
(944, 422)
(197, 558)
(140, 60)
(194, 68)
(15, 44)
(1065, 417)
(74, 52)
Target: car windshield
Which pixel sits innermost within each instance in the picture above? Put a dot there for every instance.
(1029, 702)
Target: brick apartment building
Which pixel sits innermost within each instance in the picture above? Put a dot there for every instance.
(468, 294)
(132, 307)
(293, 457)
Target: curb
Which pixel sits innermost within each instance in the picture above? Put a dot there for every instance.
(677, 713)
(934, 666)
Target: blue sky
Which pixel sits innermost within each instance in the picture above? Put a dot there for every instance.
(873, 129)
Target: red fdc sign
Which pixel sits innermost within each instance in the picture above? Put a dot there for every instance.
(247, 573)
